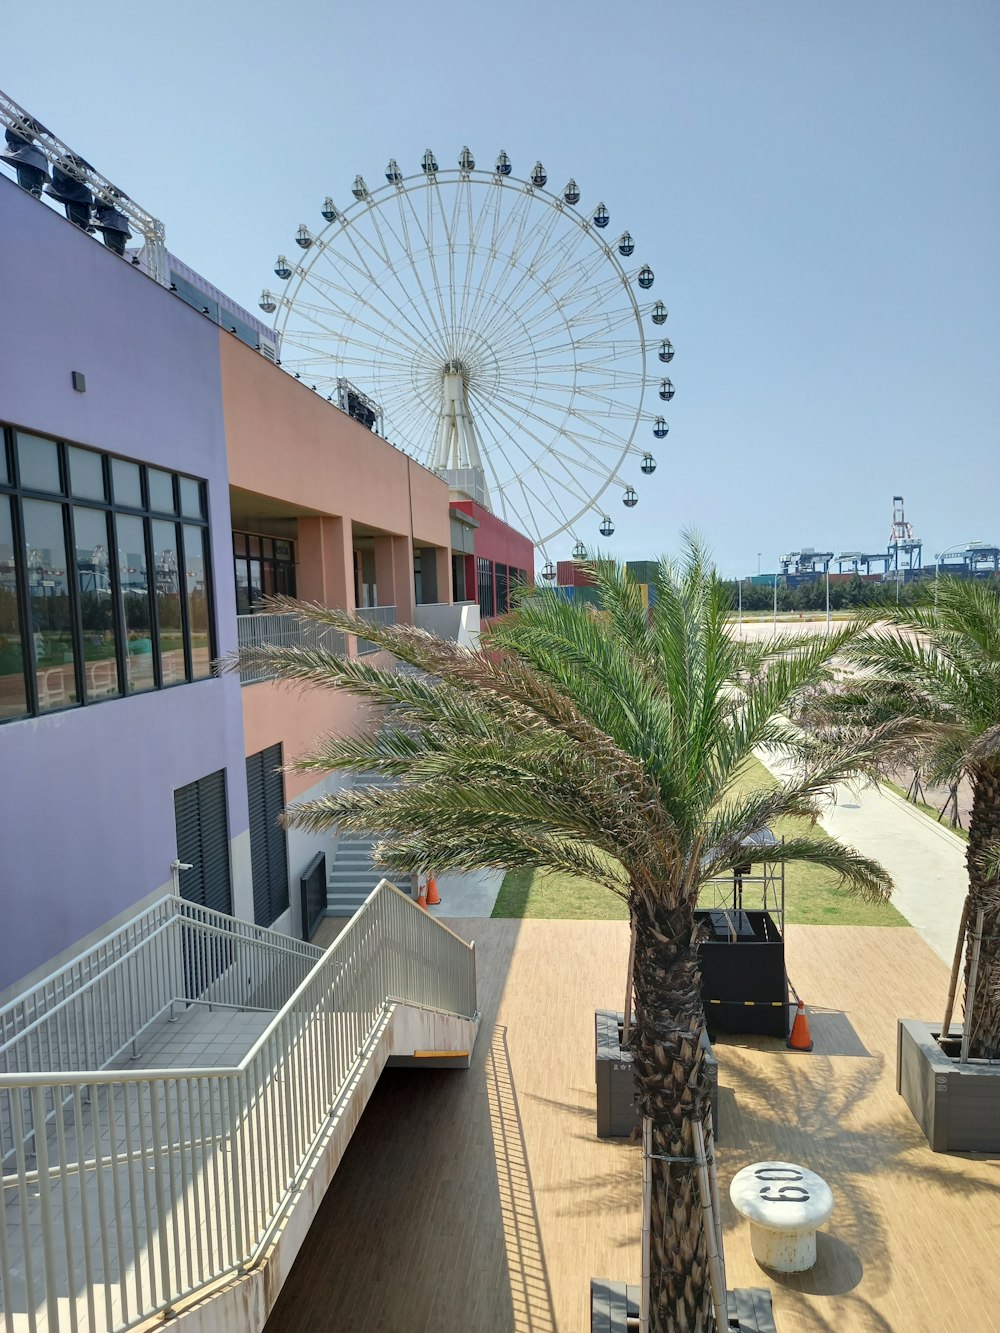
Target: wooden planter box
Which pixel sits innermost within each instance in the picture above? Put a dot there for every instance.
(616, 1112)
(957, 1106)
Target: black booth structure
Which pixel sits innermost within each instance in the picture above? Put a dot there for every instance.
(744, 986)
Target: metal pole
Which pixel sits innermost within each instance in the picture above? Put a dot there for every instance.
(828, 599)
(758, 563)
(970, 995)
(775, 601)
(955, 965)
(739, 615)
(647, 1210)
(716, 1268)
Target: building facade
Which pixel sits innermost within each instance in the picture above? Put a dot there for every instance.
(493, 558)
(160, 477)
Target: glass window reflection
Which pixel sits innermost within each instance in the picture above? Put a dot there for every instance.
(13, 694)
(132, 574)
(168, 602)
(161, 490)
(97, 607)
(192, 504)
(125, 479)
(38, 463)
(196, 566)
(49, 605)
(86, 474)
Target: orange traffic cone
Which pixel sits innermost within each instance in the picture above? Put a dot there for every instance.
(433, 897)
(422, 894)
(799, 1038)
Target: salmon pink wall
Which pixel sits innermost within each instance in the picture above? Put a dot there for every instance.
(296, 718)
(286, 442)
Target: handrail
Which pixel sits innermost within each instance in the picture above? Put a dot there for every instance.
(95, 956)
(184, 1174)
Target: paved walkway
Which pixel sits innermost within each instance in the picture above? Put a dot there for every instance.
(468, 893)
(925, 860)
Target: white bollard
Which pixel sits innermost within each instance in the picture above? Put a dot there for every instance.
(784, 1204)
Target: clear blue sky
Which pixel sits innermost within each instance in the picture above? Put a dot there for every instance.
(815, 184)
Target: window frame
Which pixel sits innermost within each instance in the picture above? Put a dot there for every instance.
(14, 493)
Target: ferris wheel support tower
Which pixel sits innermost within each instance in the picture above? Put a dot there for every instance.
(457, 445)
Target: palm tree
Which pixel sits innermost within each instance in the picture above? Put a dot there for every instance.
(602, 744)
(933, 672)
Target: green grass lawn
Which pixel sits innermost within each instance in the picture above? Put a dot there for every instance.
(811, 897)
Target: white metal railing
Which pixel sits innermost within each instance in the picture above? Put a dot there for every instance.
(149, 1184)
(99, 1005)
(378, 615)
(265, 627)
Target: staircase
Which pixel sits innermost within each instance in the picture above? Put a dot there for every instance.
(170, 1147)
(353, 874)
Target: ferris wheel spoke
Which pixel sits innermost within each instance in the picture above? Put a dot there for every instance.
(505, 299)
(542, 316)
(382, 337)
(589, 462)
(360, 267)
(440, 342)
(419, 432)
(514, 221)
(319, 315)
(471, 248)
(501, 433)
(428, 251)
(536, 463)
(562, 279)
(450, 235)
(405, 340)
(552, 509)
(429, 330)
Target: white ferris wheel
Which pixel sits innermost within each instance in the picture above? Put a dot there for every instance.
(492, 329)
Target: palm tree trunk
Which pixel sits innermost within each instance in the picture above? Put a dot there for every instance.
(672, 1090)
(983, 1007)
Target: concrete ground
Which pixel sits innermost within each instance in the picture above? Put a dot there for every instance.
(468, 893)
(925, 859)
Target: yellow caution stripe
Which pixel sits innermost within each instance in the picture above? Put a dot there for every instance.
(754, 1004)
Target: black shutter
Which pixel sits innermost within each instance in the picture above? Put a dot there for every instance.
(268, 853)
(258, 838)
(277, 851)
(203, 842)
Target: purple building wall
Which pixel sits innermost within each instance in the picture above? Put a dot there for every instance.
(87, 816)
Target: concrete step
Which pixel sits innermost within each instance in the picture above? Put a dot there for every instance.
(345, 904)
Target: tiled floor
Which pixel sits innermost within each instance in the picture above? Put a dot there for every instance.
(199, 1037)
(132, 1179)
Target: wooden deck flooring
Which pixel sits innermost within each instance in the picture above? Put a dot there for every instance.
(482, 1202)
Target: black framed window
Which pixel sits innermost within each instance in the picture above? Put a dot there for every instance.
(484, 578)
(268, 851)
(502, 586)
(103, 590)
(264, 567)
